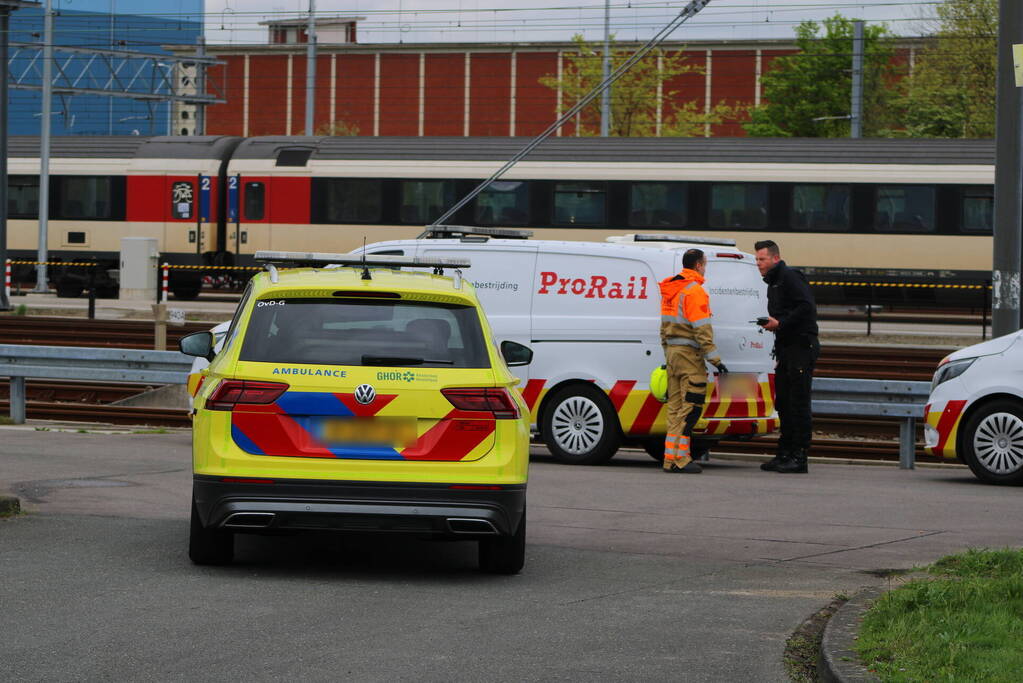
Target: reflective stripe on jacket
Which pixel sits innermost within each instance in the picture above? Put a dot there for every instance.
(685, 314)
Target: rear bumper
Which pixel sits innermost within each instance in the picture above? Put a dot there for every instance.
(292, 504)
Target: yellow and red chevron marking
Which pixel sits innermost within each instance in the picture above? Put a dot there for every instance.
(946, 422)
(741, 409)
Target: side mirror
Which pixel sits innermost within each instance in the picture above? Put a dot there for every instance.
(198, 344)
(516, 354)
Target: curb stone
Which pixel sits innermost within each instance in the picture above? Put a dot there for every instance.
(839, 662)
(9, 505)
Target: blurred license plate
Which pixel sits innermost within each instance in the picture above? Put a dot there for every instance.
(396, 431)
(739, 384)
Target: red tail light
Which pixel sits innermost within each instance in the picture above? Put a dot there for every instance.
(231, 392)
(490, 400)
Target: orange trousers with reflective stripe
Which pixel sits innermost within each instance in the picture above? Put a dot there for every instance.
(687, 385)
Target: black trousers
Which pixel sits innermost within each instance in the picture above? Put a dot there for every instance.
(792, 385)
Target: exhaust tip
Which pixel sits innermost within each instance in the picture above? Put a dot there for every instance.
(466, 525)
(249, 520)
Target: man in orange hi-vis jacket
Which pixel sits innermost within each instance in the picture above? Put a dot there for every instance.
(688, 340)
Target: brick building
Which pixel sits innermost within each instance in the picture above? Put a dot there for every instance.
(467, 89)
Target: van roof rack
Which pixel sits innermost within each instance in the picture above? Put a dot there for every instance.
(294, 259)
(442, 231)
(683, 239)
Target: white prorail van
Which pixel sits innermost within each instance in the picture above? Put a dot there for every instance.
(591, 313)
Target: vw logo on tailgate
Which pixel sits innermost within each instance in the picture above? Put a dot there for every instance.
(364, 394)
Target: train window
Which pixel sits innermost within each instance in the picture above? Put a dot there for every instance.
(580, 203)
(85, 197)
(904, 208)
(353, 200)
(505, 202)
(978, 209)
(821, 207)
(423, 201)
(23, 196)
(255, 201)
(658, 205)
(738, 205)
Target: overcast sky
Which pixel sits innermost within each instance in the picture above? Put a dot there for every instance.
(411, 21)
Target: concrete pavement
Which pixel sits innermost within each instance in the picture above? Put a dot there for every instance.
(631, 573)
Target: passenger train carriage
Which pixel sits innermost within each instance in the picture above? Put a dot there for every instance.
(896, 209)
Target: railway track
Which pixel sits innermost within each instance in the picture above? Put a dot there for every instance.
(55, 331)
(73, 392)
(868, 362)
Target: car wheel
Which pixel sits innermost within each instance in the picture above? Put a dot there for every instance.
(580, 426)
(992, 443)
(208, 546)
(186, 293)
(69, 290)
(505, 554)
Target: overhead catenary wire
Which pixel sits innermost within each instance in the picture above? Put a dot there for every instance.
(688, 11)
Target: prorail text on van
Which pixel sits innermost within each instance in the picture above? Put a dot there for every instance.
(593, 287)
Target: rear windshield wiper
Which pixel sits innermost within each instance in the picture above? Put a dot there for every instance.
(402, 360)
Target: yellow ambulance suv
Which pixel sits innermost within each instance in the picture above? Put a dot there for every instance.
(351, 396)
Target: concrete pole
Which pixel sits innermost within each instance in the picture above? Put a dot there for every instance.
(5, 20)
(310, 69)
(200, 87)
(856, 129)
(605, 97)
(42, 253)
(1005, 304)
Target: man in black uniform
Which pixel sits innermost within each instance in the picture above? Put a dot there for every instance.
(793, 319)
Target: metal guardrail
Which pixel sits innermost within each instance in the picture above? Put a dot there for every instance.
(876, 398)
(860, 397)
(86, 363)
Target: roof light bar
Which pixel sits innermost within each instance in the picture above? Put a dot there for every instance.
(683, 239)
(437, 231)
(321, 258)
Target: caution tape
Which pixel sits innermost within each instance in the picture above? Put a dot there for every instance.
(904, 285)
(55, 263)
(170, 267)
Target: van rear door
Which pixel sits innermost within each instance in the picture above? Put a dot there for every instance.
(738, 296)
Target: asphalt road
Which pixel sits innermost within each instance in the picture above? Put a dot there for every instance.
(631, 574)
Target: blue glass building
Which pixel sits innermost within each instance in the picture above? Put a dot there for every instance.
(139, 25)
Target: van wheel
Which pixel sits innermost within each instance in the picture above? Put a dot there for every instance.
(505, 554)
(654, 447)
(992, 443)
(580, 426)
(208, 546)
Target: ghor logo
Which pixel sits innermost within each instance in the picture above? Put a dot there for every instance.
(364, 394)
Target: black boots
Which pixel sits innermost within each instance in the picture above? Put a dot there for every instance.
(690, 468)
(794, 463)
(772, 464)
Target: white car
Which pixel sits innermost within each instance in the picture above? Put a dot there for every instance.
(975, 410)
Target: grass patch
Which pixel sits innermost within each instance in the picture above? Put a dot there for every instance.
(149, 431)
(963, 625)
(4, 420)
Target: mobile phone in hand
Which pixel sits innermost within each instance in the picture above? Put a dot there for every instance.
(763, 321)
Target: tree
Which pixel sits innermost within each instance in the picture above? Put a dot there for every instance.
(339, 127)
(951, 92)
(634, 100)
(809, 94)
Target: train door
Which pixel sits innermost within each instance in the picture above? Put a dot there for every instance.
(248, 211)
